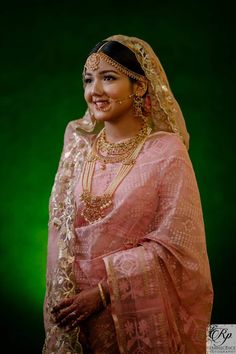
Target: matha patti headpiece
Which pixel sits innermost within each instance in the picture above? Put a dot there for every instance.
(93, 61)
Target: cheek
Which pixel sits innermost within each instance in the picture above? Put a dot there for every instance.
(87, 95)
(119, 90)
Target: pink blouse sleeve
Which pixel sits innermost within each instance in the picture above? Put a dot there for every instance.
(161, 290)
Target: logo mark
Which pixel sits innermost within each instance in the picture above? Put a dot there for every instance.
(221, 338)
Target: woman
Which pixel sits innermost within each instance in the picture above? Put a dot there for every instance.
(127, 268)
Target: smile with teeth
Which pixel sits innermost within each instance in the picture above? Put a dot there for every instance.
(102, 105)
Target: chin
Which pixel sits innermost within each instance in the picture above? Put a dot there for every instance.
(103, 116)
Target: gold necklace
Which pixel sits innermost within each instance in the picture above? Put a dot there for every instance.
(121, 147)
(116, 152)
(94, 205)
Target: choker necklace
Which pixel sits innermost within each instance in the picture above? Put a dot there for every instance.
(94, 205)
(116, 152)
(120, 147)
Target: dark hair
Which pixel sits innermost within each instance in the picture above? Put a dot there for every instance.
(121, 54)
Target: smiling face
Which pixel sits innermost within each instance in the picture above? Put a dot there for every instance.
(108, 93)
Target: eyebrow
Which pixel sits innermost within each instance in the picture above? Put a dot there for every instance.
(103, 72)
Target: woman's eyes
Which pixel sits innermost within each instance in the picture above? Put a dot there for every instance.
(89, 80)
(109, 78)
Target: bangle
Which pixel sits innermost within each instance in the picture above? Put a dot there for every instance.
(102, 294)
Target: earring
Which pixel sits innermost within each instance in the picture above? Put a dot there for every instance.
(138, 107)
(138, 103)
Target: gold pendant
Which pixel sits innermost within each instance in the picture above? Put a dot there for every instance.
(94, 206)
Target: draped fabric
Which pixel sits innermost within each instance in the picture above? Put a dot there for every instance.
(150, 246)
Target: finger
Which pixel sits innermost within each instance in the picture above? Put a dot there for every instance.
(64, 313)
(77, 321)
(62, 304)
(70, 318)
(73, 325)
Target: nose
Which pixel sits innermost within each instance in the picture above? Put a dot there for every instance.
(97, 87)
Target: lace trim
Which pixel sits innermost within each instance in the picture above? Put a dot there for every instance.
(61, 284)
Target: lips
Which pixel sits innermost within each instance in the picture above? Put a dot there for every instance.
(102, 105)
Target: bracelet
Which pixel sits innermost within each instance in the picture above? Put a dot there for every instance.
(102, 294)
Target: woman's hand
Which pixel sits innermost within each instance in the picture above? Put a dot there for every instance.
(77, 308)
(70, 312)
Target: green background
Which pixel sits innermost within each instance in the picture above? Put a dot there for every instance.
(44, 47)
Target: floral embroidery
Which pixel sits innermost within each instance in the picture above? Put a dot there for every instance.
(137, 333)
(129, 328)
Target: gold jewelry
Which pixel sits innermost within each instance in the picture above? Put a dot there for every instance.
(102, 294)
(116, 152)
(93, 61)
(138, 104)
(94, 205)
(120, 147)
(139, 107)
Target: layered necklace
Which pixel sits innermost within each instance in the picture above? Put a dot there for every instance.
(124, 152)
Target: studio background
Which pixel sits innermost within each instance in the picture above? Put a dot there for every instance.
(45, 44)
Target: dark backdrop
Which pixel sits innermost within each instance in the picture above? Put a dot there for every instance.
(44, 47)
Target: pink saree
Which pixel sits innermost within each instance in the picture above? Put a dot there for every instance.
(151, 248)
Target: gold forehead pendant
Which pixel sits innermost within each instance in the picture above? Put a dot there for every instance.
(93, 61)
